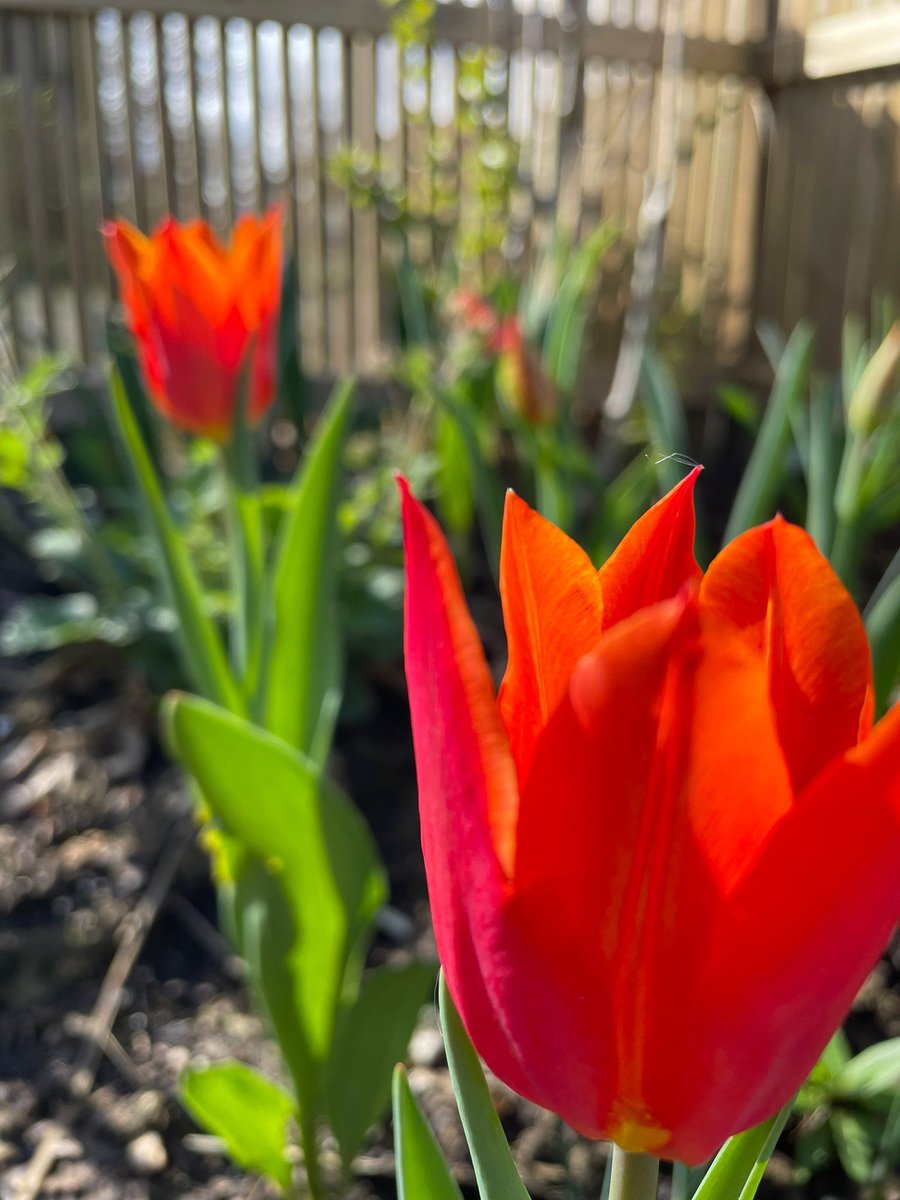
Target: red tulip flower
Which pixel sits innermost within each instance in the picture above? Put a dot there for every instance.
(197, 309)
(663, 858)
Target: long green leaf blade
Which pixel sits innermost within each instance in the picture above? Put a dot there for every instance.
(564, 338)
(883, 628)
(764, 473)
(666, 420)
(495, 1170)
(372, 1034)
(422, 1173)
(737, 1169)
(822, 471)
(302, 663)
(199, 641)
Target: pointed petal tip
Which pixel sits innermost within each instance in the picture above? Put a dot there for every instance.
(690, 480)
(410, 504)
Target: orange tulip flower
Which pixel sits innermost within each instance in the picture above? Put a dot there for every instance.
(663, 858)
(196, 309)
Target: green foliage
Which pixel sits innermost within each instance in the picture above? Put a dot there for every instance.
(495, 1170)
(198, 637)
(301, 667)
(850, 1112)
(567, 320)
(764, 474)
(371, 1035)
(411, 21)
(310, 840)
(421, 1170)
(737, 1170)
(301, 882)
(247, 1111)
(883, 627)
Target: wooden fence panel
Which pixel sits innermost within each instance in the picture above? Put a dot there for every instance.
(783, 199)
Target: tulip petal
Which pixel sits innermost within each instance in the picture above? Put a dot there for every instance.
(190, 267)
(665, 804)
(774, 586)
(553, 613)
(468, 796)
(795, 943)
(655, 559)
(254, 265)
(132, 256)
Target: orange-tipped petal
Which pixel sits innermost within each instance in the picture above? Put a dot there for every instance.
(466, 777)
(655, 559)
(553, 613)
(663, 804)
(132, 257)
(195, 270)
(773, 587)
(255, 260)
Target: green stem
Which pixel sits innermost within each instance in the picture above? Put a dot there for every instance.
(315, 1183)
(246, 561)
(198, 637)
(849, 508)
(634, 1176)
(845, 551)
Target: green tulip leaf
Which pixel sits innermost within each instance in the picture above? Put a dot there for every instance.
(883, 629)
(764, 473)
(737, 1169)
(421, 1170)
(495, 1171)
(371, 1035)
(300, 679)
(198, 638)
(247, 1111)
(309, 840)
(567, 322)
(666, 418)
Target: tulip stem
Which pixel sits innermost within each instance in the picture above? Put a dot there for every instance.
(634, 1176)
(315, 1184)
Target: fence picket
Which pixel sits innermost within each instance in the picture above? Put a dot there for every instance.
(136, 111)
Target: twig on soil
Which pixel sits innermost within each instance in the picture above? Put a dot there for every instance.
(134, 930)
(98, 1027)
(82, 1027)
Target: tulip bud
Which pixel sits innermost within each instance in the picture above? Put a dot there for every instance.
(522, 382)
(873, 399)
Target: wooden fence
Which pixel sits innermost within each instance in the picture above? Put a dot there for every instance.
(782, 192)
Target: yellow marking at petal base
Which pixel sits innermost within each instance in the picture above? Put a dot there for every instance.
(632, 1128)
